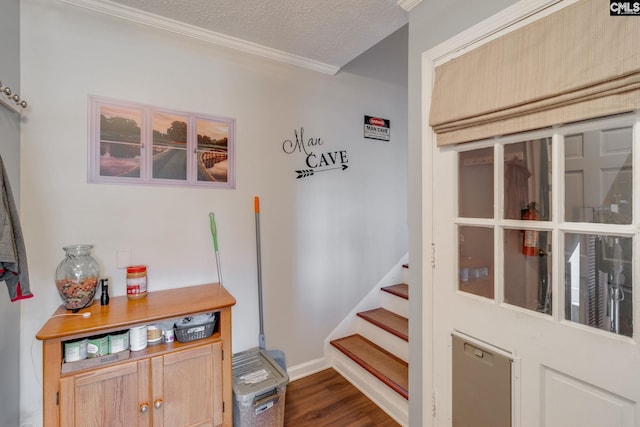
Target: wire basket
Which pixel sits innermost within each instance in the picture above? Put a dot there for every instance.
(185, 331)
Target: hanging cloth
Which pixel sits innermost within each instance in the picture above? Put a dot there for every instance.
(516, 184)
(13, 257)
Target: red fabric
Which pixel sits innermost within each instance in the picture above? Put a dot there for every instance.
(19, 295)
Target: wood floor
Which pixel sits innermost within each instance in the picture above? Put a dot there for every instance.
(327, 399)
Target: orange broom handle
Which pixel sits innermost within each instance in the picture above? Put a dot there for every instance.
(256, 204)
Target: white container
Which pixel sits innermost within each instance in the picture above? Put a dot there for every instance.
(138, 338)
(167, 331)
(259, 388)
(168, 335)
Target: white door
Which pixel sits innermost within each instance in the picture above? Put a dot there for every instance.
(555, 295)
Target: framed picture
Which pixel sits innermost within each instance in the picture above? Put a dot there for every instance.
(132, 143)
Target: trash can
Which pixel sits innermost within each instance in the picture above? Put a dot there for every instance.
(259, 387)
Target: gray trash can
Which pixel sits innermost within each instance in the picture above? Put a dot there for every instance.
(259, 387)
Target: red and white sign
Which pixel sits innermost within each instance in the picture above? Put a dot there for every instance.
(377, 128)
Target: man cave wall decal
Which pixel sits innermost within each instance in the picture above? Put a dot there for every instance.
(315, 162)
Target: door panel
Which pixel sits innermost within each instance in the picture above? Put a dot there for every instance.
(569, 372)
(571, 402)
(575, 198)
(103, 398)
(188, 388)
(481, 385)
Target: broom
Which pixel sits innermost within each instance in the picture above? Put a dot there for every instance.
(276, 355)
(214, 235)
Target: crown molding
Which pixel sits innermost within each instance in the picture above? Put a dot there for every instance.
(408, 4)
(135, 15)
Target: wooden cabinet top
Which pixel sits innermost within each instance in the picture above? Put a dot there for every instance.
(122, 312)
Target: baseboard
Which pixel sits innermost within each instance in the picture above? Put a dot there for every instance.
(307, 368)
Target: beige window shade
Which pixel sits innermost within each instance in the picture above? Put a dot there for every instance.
(576, 64)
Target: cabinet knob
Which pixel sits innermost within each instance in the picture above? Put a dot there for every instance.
(144, 408)
(158, 404)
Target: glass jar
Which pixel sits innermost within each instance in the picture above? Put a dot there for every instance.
(136, 281)
(77, 277)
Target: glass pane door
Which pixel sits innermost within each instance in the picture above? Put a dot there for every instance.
(592, 224)
(527, 197)
(598, 183)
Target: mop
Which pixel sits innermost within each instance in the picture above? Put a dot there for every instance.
(214, 235)
(276, 355)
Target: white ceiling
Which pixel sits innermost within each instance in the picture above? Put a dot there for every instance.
(319, 34)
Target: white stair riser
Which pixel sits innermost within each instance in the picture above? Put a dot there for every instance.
(384, 339)
(394, 304)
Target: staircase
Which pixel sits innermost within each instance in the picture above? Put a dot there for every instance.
(373, 351)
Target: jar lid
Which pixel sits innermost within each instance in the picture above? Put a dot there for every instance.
(136, 269)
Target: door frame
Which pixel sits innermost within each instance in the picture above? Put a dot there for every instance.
(510, 19)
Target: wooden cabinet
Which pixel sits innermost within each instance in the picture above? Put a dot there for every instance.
(107, 396)
(171, 385)
(191, 389)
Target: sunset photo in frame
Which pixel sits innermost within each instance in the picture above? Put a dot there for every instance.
(131, 143)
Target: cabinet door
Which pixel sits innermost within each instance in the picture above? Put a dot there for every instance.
(187, 387)
(107, 397)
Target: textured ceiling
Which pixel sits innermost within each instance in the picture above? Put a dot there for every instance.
(331, 32)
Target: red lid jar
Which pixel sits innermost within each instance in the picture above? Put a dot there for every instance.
(136, 281)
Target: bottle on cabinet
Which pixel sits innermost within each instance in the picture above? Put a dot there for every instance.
(104, 298)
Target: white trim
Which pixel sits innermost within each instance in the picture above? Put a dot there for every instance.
(518, 15)
(135, 15)
(408, 4)
(426, 383)
(307, 368)
(634, 220)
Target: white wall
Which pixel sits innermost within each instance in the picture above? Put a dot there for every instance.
(10, 152)
(326, 239)
(430, 23)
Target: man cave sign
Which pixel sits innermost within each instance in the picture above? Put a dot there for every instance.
(315, 162)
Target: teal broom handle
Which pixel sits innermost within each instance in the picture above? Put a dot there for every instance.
(214, 235)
